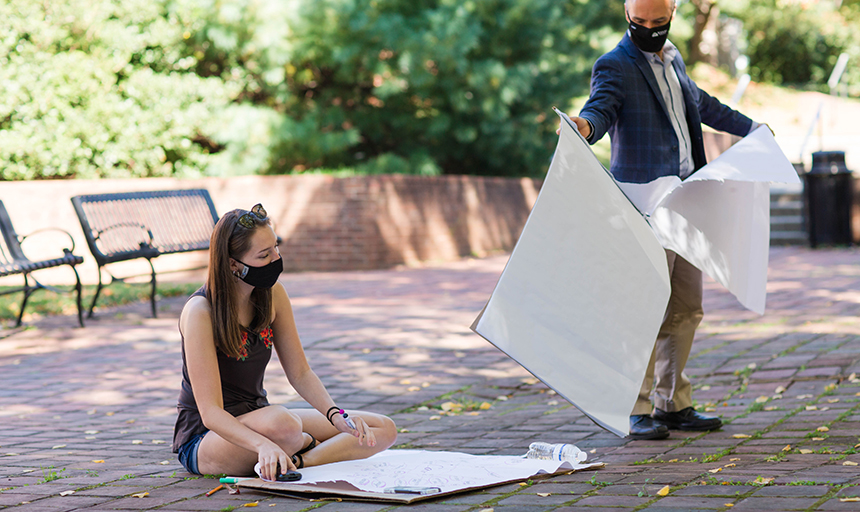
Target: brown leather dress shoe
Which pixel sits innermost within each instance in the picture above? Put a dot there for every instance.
(686, 419)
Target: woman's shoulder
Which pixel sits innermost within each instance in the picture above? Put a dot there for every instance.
(196, 309)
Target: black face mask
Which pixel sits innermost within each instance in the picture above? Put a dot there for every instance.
(262, 277)
(649, 39)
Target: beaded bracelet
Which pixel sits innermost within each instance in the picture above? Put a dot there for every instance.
(329, 415)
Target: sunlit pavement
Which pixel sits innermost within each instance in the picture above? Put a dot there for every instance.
(92, 410)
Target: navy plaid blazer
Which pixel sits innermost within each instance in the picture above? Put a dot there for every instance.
(626, 102)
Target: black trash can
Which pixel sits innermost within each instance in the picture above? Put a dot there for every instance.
(828, 193)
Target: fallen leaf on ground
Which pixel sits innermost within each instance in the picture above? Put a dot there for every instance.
(485, 405)
(735, 458)
(406, 382)
(787, 448)
(664, 491)
(543, 494)
(849, 463)
(413, 388)
(779, 389)
(552, 402)
(830, 387)
(435, 418)
(423, 408)
(111, 413)
(805, 451)
(593, 450)
(157, 441)
(487, 510)
(811, 408)
(523, 484)
(66, 493)
(857, 445)
(771, 408)
(762, 480)
(530, 381)
(473, 413)
(715, 470)
(852, 376)
(710, 409)
(730, 465)
(501, 398)
(58, 446)
(752, 366)
(451, 406)
(761, 399)
(98, 461)
(164, 462)
(832, 400)
(92, 411)
(423, 385)
(823, 429)
(140, 495)
(741, 436)
(853, 499)
(90, 437)
(673, 460)
(91, 432)
(365, 351)
(803, 397)
(252, 504)
(130, 421)
(818, 439)
(137, 441)
(706, 388)
(728, 505)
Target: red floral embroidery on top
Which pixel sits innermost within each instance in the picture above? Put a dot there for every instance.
(265, 335)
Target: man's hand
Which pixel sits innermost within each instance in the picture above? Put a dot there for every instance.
(581, 125)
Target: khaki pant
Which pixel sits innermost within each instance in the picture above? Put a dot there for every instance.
(673, 391)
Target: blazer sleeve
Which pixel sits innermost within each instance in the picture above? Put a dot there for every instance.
(719, 116)
(607, 96)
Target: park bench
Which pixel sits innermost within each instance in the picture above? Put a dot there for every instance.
(127, 226)
(13, 262)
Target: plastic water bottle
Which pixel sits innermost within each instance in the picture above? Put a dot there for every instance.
(559, 452)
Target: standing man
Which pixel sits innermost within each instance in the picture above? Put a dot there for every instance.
(641, 95)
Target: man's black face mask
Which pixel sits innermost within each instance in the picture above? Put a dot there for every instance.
(648, 39)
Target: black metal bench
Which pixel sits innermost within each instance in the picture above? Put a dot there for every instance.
(13, 261)
(128, 226)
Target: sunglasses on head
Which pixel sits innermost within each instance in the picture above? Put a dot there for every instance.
(247, 219)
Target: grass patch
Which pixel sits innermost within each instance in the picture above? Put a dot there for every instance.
(47, 303)
(50, 476)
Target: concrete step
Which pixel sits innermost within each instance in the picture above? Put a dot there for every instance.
(787, 222)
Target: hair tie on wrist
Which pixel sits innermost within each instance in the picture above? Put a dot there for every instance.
(331, 412)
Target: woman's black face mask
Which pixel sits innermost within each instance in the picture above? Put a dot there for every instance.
(648, 39)
(262, 277)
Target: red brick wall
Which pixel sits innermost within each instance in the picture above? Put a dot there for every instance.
(327, 223)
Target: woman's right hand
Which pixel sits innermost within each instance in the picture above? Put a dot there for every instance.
(269, 457)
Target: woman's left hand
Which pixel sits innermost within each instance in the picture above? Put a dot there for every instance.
(362, 430)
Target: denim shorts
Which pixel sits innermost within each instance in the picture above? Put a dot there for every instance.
(188, 453)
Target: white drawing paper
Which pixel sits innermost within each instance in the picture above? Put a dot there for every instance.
(585, 290)
(718, 219)
(449, 471)
(582, 297)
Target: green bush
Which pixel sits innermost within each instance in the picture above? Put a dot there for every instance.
(796, 43)
(462, 86)
(101, 89)
(140, 88)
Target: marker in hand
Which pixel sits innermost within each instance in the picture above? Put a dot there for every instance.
(349, 422)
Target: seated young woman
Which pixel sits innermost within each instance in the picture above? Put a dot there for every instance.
(229, 328)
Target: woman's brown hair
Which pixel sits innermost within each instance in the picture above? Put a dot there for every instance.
(231, 240)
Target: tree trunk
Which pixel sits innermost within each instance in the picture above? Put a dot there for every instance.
(704, 8)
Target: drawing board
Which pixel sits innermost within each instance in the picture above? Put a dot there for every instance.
(451, 472)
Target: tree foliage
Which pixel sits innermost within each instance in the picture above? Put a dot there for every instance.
(791, 42)
(101, 89)
(112, 88)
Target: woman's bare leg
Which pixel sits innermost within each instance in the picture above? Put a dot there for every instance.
(216, 455)
(335, 446)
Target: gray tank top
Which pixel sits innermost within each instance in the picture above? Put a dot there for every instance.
(241, 383)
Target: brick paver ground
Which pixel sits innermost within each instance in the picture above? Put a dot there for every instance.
(91, 410)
